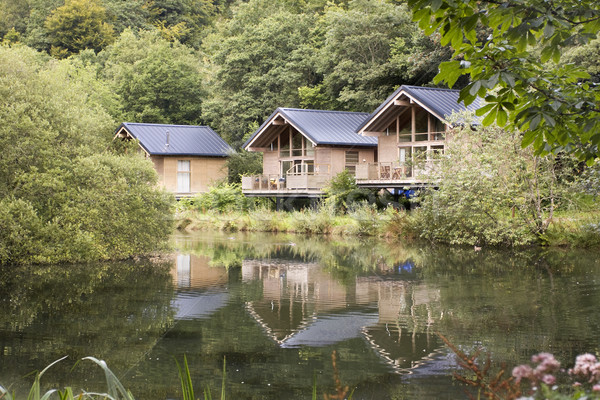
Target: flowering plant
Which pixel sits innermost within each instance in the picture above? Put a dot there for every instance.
(532, 382)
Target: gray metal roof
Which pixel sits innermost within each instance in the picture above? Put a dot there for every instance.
(188, 140)
(441, 102)
(323, 127)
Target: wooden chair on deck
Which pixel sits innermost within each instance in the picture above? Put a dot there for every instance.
(384, 172)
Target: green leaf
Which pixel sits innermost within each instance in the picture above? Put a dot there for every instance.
(528, 138)
(474, 89)
(502, 116)
(535, 121)
(483, 110)
(491, 116)
(546, 53)
(548, 30)
(450, 71)
(436, 4)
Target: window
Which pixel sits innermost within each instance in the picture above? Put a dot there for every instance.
(284, 150)
(285, 166)
(391, 130)
(351, 161)
(183, 176)
(309, 149)
(297, 141)
(404, 154)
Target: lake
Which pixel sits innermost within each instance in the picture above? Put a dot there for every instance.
(285, 311)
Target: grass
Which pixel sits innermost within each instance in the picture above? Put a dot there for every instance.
(362, 220)
(115, 390)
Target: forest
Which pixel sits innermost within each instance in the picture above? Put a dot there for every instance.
(229, 64)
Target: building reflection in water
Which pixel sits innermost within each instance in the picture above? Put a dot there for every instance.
(303, 305)
(202, 288)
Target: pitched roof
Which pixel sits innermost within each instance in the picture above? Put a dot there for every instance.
(440, 102)
(188, 140)
(321, 127)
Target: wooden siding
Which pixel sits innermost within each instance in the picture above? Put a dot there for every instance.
(270, 163)
(387, 148)
(204, 171)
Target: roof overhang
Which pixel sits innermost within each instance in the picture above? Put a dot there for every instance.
(397, 104)
(270, 129)
(123, 133)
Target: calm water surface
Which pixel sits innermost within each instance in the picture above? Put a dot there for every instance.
(286, 310)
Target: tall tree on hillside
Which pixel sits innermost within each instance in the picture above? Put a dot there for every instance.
(78, 25)
(156, 80)
(370, 48)
(181, 20)
(14, 15)
(260, 57)
(132, 14)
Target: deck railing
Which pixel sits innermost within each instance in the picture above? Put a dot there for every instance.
(299, 177)
(383, 171)
(393, 171)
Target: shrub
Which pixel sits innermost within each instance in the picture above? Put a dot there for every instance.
(225, 197)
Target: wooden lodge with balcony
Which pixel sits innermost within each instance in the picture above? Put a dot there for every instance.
(387, 149)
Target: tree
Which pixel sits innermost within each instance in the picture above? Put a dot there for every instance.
(516, 66)
(78, 25)
(63, 196)
(157, 81)
(260, 57)
(14, 16)
(369, 48)
(485, 199)
(182, 20)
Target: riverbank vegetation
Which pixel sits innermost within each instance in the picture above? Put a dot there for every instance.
(479, 199)
(64, 195)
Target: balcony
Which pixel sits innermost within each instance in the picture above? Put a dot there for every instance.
(393, 174)
(307, 179)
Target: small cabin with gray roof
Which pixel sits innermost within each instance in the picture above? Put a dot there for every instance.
(303, 149)
(187, 158)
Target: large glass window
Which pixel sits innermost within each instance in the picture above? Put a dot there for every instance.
(183, 176)
(284, 150)
(309, 149)
(404, 154)
(285, 166)
(421, 125)
(297, 140)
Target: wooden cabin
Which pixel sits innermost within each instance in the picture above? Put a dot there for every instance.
(303, 149)
(187, 158)
(410, 127)
(389, 148)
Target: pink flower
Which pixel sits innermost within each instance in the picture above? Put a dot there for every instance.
(596, 388)
(549, 379)
(522, 371)
(586, 367)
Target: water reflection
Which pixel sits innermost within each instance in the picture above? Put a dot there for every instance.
(202, 289)
(302, 305)
(362, 314)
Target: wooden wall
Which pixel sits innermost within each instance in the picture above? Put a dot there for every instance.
(388, 148)
(270, 163)
(205, 171)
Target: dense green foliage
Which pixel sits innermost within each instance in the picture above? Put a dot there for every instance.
(229, 64)
(76, 26)
(516, 65)
(484, 199)
(63, 197)
(156, 80)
